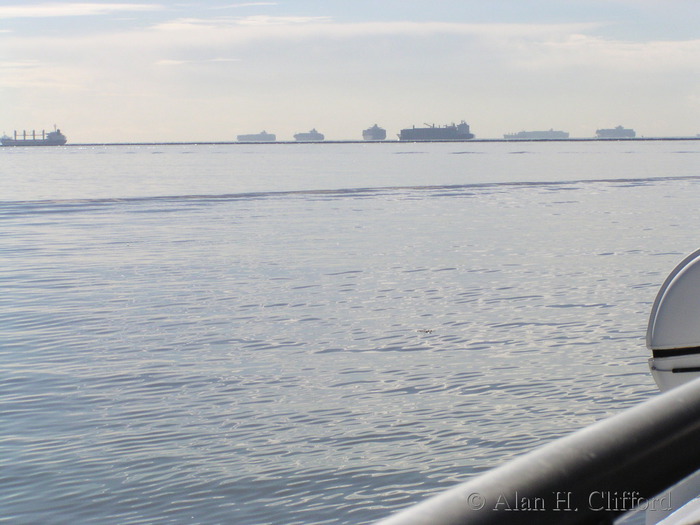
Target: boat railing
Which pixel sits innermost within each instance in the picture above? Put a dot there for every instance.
(592, 476)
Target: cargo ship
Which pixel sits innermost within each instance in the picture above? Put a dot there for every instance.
(437, 133)
(374, 133)
(537, 135)
(263, 136)
(615, 133)
(311, 136)
(52, 138)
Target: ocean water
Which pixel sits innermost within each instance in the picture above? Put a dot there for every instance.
(317, 334)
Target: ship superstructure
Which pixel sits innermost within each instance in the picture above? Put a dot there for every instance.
(374, 133)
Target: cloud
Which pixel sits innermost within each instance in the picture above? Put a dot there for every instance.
(313, 26)
(222, 24)
(263, 20)
(520, 46)
(318, 48)
(391, 45)
(70, 9)
(35, 74)
(19, 64)
(578, 50)
(170, 62)
(247, 4)
(296, 72)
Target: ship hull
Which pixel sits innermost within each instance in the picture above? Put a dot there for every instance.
(257, 137)
(13, 142)
(616, 133)
(538, 135)
(311, 136)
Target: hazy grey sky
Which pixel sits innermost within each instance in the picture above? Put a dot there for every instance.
(210, 70)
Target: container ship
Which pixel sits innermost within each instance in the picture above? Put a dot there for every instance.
(437, 133)
(374, 133)
(263, 136)
(615, 133)
(537, 135)
(52, 138)
(311, 136)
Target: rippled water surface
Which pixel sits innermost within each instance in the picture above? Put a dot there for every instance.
(312, 334)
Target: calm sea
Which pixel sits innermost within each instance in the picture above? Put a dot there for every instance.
(317, 334)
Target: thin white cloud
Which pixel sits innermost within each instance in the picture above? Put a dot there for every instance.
(225, 23)
(41, 75)
(171, 62)
(270, 29)
(70, 9)
(19, 64)
(264, 20)
(248, 4)
(578, 50)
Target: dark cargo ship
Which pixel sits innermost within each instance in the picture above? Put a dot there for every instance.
(616, 133)
(374, 133)
(311, 136)
(52, 138)
(437, 133)
(552, 134)
(263, 136)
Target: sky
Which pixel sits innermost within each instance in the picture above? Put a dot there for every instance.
(138, 71)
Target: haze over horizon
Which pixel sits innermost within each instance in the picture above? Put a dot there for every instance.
(210, 70)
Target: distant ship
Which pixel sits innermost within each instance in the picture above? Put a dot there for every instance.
(616, 133)
(435, 133)
(263, 136)
(537, 135)
(374, 133)
(52, 138)
(311, 136)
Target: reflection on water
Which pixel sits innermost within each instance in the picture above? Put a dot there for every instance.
(315, 357)
(111, 172)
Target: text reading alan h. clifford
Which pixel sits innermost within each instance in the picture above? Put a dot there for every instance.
(566, 501)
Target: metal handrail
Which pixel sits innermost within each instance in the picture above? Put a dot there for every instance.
(588, 477)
